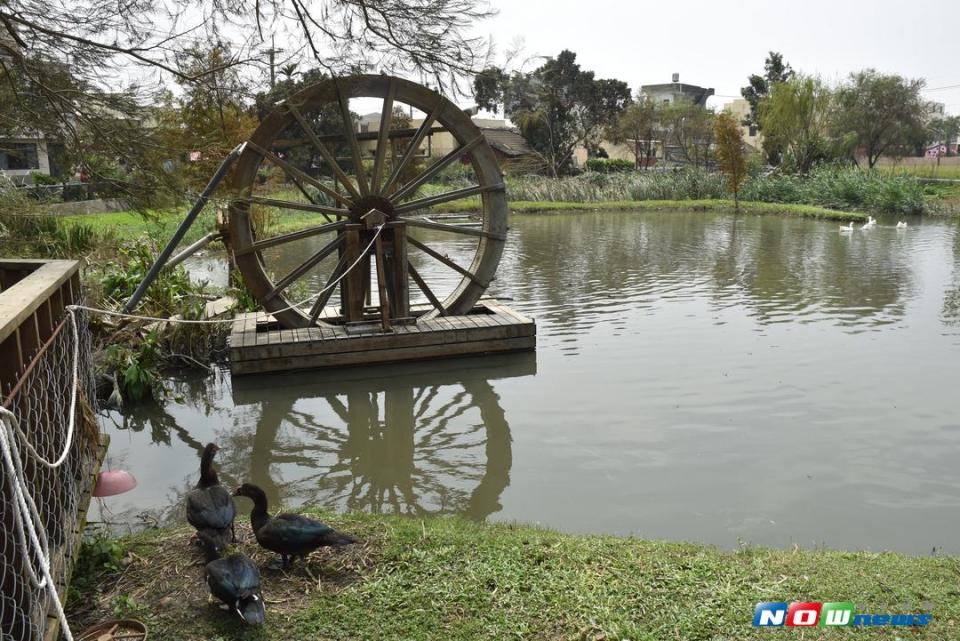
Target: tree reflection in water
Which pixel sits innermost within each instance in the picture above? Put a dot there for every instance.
(951, 297)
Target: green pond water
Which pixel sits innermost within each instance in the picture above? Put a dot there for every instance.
(698, 377)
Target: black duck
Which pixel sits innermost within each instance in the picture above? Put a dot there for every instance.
(289, 535)
(235, 580)
(210, 507)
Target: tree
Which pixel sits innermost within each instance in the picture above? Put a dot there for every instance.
(636, 126)
(797, 116)
(943, 130)
(775, 71)
(558, 107)
(881, 113)
(731, 153)
(71, 61)
(688, 129)
(211, 116)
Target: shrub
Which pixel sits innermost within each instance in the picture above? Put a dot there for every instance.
(609, 165)
(841, 188)
(43, 179)
(828, 186)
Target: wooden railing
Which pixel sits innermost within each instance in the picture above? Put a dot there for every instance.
(33, 295)
(41, 362)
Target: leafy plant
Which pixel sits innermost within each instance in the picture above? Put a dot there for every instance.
(43, 179)
(136, 367)
(125, 606)
(100, 555)
(171, 293)
(609, 165)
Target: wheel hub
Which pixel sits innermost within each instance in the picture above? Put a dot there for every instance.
(363, 205)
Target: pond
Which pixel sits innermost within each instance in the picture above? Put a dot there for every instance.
(698, 377)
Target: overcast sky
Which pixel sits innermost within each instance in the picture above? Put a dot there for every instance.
(718, 44)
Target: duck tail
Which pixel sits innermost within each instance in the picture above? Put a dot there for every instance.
(338, 539)
(214, 541)
(251, 610)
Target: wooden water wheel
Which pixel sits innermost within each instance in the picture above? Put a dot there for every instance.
(367, 187)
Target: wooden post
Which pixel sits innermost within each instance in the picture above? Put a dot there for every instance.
(400, 278)
(353, 307)
(382, 286)
(12, 363)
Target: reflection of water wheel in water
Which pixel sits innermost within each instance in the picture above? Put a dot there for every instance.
(415, 447)
(369, 185)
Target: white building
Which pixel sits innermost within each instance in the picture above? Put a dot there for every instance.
(20, 157)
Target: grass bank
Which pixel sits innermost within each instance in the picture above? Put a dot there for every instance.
(927, 170)
(718, 205)
(449, 579)
(160, 225)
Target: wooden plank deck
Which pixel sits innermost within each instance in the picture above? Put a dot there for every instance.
(259, 345)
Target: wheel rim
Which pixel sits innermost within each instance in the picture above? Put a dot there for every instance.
(357, 189)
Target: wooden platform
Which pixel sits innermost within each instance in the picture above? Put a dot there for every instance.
(258, 345)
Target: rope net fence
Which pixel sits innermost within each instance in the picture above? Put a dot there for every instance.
(50, 442)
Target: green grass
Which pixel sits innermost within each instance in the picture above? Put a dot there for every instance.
(161, 224)
(931, 170)
(450, 579)
(806, 211)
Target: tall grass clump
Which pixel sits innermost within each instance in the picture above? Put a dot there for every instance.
(831, 187)
(596, 186)
(841, 188)
(27, 230)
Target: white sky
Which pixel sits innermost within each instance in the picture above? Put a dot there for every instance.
(719, 43)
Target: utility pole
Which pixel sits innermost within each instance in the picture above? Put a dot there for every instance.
(272, 52)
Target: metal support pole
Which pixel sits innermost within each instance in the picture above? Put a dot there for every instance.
(182, 229)
(194, 248)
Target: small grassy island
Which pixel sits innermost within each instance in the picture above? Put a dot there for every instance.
(450, 579)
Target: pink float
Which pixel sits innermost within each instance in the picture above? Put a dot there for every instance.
(113, 482)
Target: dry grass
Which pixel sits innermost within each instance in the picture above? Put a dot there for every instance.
(162, 580)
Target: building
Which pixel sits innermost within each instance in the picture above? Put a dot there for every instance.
(22, 156)
(740, 110)
(941, 150)
(675, 91)
(510, 148)
(667, 93)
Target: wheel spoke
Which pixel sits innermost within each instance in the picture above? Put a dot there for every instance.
(415, 275)
(383, 138)
(456, 229)
(411, 150)
(287, 204)
(307, 195)
(327, 156)
(321, 302)
(351, 135)
(411, 187)
(457, 194)
(292, 236)
(309, 264)
(293, 171)
(446, 261)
